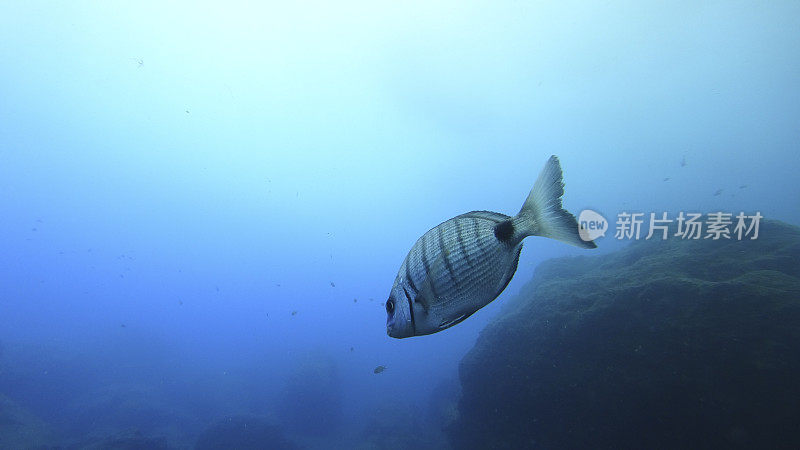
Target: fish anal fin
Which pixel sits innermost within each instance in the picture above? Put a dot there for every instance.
(449, 323)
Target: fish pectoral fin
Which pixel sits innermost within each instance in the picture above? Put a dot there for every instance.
(449, 323)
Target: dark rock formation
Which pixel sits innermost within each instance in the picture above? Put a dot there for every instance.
(124, 440)
(243, 433)
(19, 428)
(664, 344)
(401, 426)
(311, 404)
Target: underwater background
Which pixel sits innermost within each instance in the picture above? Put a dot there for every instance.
(203, 206)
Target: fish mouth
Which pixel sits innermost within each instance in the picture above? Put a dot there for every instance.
(394, 332)
(390, 330)
(398, 329)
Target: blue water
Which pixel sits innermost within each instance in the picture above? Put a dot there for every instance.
(182, 183)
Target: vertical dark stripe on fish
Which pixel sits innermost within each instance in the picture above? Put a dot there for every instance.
(444, 255)
(460, 239)
(478, 240)
(427, 265)
(410, 279)
(411, 311)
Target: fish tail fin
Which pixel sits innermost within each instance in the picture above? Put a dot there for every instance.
(542, 214)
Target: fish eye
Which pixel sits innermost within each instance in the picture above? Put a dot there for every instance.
(390, 306)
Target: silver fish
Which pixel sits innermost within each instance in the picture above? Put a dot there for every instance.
(464, 263)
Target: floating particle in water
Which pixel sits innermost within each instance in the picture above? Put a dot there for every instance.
(333, 284)
(718, 192)
(379, 369)
(355, 300)
(294, 313)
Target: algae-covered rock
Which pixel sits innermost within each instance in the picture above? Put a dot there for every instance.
(664, 344)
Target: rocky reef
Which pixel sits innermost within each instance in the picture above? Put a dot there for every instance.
(243, 433)
(311, 403)
(19, 428)
(664, 344)
(123, 440)
(401, 426)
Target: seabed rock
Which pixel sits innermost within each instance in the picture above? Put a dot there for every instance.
(311, 403)
(19, 428)
(243, 433)
(664, 344)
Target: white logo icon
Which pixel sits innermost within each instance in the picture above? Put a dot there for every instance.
(591, 225)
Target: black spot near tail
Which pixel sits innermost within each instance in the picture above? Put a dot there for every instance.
(504, 230)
